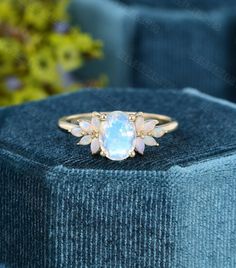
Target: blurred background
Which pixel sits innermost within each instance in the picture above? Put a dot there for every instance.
(50, 47)
(40, 51)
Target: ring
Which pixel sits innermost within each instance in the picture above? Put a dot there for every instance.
(118, 135)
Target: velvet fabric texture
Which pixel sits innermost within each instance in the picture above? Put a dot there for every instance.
(173, 207)
(183, 4)
(153, 47)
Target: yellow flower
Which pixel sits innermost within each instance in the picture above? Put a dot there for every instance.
(6, 66)
(84, 42)
(5, 101)
(28, 94)
(57, 39)
(9, 53)
(4, 96)
(68, 56)
(9, 48)
(33, 43)
(39, 49)
(8, 12)
(37, 15)
(43, 67)
(96, 52)
(60, 10)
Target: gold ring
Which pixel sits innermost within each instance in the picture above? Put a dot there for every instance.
(118, 135)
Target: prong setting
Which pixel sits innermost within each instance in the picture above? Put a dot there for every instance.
(103, 117)
(135, 130)
(132, 117)
(132, 154)
(102, 153)
(96, 114)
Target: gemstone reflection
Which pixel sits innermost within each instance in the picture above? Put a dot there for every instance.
(117, 136)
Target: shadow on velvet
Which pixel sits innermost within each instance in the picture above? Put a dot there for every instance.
(24, 202)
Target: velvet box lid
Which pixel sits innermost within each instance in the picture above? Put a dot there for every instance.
(206, 128)
(163, 44)
(173, 207)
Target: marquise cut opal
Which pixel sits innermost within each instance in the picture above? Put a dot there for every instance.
(117, 136)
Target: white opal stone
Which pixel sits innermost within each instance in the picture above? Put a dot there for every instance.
(117, 136)
(85, 140)
(95, 146)
(77, 132)
(150, 141)
(140, 145)
(149, 125)
(158, 132)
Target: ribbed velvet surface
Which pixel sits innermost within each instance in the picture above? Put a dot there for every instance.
(24, 219)
(25, 129)
(183, 4)
(185, 48)
(115, 29)
(151, 44)
(62, 207)
(88, 218)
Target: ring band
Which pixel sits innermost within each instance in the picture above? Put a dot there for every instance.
(118, 135)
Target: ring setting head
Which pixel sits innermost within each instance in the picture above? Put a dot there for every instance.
(118, 135)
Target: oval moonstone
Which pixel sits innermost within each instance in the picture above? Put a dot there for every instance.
(117, 136)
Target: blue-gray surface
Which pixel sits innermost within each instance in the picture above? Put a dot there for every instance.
(164, 44)
(189, 4)
(173, 207)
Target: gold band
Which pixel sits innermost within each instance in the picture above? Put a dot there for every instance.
(118, 135)
(69, 122)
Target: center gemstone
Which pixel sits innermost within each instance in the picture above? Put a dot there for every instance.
(117, 136)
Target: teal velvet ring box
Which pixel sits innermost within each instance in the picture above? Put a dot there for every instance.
(164, 43)
(173, 207)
